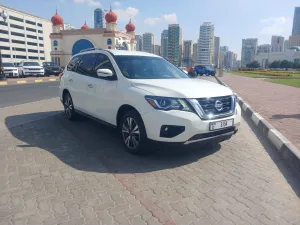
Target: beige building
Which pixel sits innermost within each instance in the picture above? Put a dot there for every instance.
(24, 36)
(65, 43)
(195, 53)
(187, 53)
(294, 41)
(157, 50)
(206, 43)
(148, 42)
(277, 44)
(217, 52)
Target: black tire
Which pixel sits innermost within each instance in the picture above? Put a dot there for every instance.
(133, 136)
(23, 74)
(69, 107)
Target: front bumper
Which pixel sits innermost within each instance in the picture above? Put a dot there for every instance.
(196, 130)
(33, 73)
(11, 74)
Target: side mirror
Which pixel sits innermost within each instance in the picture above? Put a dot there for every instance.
(104, 73)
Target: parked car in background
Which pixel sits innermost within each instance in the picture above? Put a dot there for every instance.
(183, 69)
(148, 99)
(204, 70)
(30, 68)
(51, 68)
(191, 72)
(10, 70)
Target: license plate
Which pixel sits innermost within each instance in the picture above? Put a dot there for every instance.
(220, 124)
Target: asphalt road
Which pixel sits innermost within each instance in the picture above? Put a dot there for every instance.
(23, 93)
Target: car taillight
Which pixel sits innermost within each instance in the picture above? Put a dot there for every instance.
(60, 76)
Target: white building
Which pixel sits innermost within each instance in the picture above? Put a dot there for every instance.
(187, 52)
(148, 42)
(206, 44)
(139, 42)
(65, 43)
(24, 36)
(277, 44)
(266, 59)
(217, 52)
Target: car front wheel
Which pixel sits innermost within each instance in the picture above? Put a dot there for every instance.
(133, 133)
(69, 107)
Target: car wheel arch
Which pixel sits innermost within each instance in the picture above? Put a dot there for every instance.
(123, 110)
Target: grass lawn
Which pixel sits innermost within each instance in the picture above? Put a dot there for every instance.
(289, 82)
(260, 76)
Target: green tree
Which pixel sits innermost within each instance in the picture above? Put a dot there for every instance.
(275, 64)
(253, 64)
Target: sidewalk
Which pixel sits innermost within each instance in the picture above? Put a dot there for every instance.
(278, 104)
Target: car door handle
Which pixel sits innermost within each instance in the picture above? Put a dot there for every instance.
(90, 85)
(71, 80)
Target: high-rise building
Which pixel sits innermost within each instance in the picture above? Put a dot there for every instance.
(296, 22)
(195, 53)
(157, 50)
(234, 60)
(263, 48)
(164, 43)
(228, 59)
(24, 36)
(148, 42)
(187, 52)
(99, 21)
(217, 52)
(206, 44)
(277, 43)
(224, 48)
(294, 41)
(249, 49)
(286, 45)
(139, 42)
(174, 44)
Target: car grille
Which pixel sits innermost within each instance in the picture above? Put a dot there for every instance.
(8, 70)
(217, 105)
(35, 69)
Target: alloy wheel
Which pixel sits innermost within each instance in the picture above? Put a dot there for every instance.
(68, 106)
(131, 133)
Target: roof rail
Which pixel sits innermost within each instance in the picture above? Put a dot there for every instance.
(90, 49)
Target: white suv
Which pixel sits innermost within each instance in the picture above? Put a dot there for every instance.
(147, 98)
(30, 68)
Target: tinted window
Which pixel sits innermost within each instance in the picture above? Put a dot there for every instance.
(8, 65)
(18, 42)
(32, 43)
(17, 26)
(3, 32)
(32, 36)
(5, 56)
(19, 49)
(73, 63)
(31, 64)
(33, 57)
(39, 24)
(86, 65)
(41, 38)
(17, 34)
(30, 22)
(3, 23)
(41, 51)
(42, 58)
(41, 45)
(15, 18)
(4, 48)
(30, 29)
(141, 67)
(40, 31)
(21, 56)
(4, 40)
(33, 50)
(103, 62)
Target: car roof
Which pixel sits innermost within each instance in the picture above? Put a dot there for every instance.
(130, 53)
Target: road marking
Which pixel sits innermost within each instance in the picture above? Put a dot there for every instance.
(3, 83)
(52, 79)
(38, 81)
(21, 82)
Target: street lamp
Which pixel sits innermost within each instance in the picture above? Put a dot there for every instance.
(4, 15)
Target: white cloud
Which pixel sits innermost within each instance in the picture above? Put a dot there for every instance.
(117, 4)
(125, 14)
(276, 26)
(87, 2)
(167, 18)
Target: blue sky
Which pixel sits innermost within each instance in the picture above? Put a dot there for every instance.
(233, 19)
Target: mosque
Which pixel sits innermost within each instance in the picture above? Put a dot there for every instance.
(65, 43)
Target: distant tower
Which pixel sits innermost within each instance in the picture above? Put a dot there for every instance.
(57, 22)
(99, 15)
(85, 27)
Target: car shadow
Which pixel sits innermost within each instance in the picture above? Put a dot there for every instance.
(290, 173)
(281, 116)
(90, 146)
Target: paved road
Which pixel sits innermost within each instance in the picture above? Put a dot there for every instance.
(53, 171)
(23, 93)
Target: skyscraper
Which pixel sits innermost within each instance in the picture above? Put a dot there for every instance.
(187, 53)
(228, 59)
(139, 42)
(277, 43)
(217, 52)
(157, 50)
(296, 22)
(99, 15)
(286, 45)
(174, 44)
(206, 44)
(224, 48)
(195, 53)
(164, 43)
(249, 49)
(264, 48)
(148, 42)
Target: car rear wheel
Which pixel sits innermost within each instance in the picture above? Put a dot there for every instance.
(133, 133)
(69, 107)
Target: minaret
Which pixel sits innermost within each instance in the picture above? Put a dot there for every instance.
(130, 28)
(111, 21)
(57, 22)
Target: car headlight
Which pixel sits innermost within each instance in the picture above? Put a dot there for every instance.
(166, 104)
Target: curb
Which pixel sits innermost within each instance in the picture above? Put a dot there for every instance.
(289, 152)
(3, 83)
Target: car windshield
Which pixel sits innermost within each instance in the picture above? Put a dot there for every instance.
(143, 67)
(31, 64)
(8, 65)
(49, 64)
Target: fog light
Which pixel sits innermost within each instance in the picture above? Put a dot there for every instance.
(170, 131)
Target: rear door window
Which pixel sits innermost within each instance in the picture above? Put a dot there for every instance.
(73, 63)
(86, 65)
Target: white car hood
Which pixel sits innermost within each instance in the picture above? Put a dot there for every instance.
(33, 67)
(182, 88)
(10, 68)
